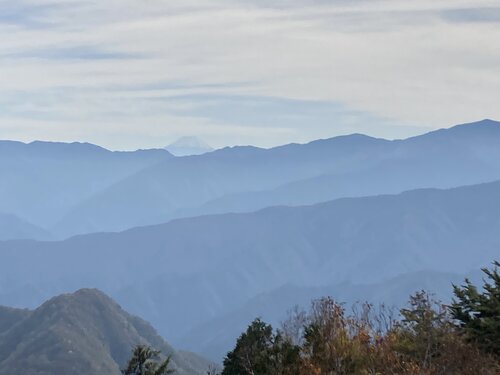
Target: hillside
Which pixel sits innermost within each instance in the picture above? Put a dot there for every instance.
(80, 333)
(214, 264)
(462, 155)
(42, 181)
(80, 188)
(14, 228)
(245, 179)
(157, 194)
(10, 316)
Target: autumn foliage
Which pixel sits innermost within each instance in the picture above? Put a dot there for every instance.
(426, 338)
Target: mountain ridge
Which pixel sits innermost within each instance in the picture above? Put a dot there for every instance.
(83, 332)
(77, 188)
(41, 181)
(245, 179)
(233, 257)
(13, 227)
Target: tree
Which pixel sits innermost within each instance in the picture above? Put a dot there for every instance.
(250, 356)
(334, 343)
(144, 361)
(478, 312)
(213, 370)
(425, 340)
(259, 351)
(425, 333)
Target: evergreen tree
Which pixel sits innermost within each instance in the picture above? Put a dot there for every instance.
(250, 356)
(259, 351)
(144, 361)
(478, 311)
(425, 330)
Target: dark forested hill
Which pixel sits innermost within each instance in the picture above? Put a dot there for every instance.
(81, 333)
(10, 316)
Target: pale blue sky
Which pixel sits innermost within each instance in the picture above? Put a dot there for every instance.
(130, 74)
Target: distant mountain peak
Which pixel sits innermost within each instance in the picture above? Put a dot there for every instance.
(482, 123)
(483, 129)
(189, 145)
(84, 296)
(488, 121)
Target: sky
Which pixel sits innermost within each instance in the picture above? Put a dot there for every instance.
(129, 74)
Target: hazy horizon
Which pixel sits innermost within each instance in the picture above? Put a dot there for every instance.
(237, 145)
(262, 185)
(138, 74)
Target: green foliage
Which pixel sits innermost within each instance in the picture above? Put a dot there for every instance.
(424, 329)
(260, 351)
(478, 312)
(144, 361)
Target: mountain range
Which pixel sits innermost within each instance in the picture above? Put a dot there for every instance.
(41, 181)
(70, 189)
(14, 228)
(245, 179)
(197, 244)
(80, 333)
(186, 272)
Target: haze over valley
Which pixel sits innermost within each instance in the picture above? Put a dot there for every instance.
(229, 187)
(345, 216)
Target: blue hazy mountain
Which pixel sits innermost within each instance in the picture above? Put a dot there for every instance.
(156, 194)
(15, 228)
(42, 181)
(188, 271)
(465, 154)
(245, 179)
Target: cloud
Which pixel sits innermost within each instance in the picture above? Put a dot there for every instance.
(70, 53)
(468, 15)
(24, 14)
(310, 68)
